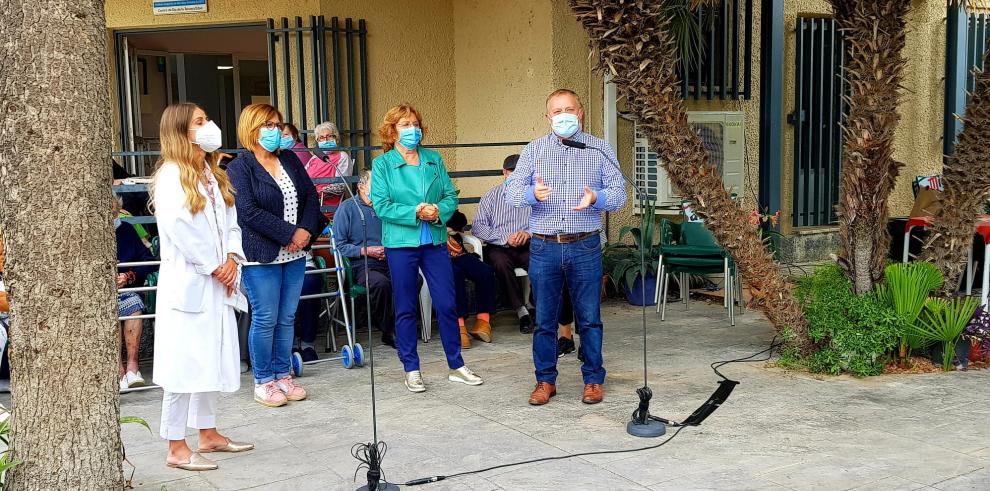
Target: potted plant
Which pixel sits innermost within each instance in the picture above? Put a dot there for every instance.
(977, 332)
(634, 270)
(944, 321)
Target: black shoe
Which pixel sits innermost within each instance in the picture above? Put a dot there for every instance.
(309, 354)
(580, 356)
(565, 346)
(388, 339)
(525, 325)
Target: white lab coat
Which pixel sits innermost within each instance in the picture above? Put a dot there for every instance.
(196, 348)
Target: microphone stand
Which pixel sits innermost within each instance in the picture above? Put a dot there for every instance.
(641, 425)
(369, 454)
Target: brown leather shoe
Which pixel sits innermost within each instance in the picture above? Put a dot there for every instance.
(593, 393)
(542, 393)
(481, 330)
(465, 339)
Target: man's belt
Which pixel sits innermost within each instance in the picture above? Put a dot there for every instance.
(566, 238)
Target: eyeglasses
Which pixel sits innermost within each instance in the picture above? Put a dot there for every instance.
(325, 138)
(268, 125)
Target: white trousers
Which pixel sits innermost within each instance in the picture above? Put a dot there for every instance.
(197, 410)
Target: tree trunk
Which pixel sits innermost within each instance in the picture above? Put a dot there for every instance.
(634, 44)
(967, 187)
(56, 224)
(874, 32)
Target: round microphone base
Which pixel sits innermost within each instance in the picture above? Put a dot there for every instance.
(651, 429)
(381, 487)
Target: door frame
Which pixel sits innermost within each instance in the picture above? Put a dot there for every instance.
(122, 79)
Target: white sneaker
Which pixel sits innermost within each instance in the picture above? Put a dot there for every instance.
(123, 382)
(134, 379)
(414, 381)
(464, 376)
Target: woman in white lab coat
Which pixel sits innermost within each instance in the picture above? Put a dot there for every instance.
(196, 347)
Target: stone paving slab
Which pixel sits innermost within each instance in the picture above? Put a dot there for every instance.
(779, 430)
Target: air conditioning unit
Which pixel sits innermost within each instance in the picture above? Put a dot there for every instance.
(723, 134)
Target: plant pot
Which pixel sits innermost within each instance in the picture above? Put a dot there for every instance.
(962, 353)
(634, 295)
(974, 352)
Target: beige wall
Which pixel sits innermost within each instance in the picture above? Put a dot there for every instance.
(502, 58)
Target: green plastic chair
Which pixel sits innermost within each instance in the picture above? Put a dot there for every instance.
(695, 252)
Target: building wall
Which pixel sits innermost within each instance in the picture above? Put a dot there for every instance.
(410, 48)
(502, 57)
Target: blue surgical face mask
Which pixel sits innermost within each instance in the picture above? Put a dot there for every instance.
(327, 144)
(270, 138)
(565, 125)
(287, 142)
(116, 223)
(410, 137)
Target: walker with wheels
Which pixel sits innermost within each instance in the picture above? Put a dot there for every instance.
(351, 354)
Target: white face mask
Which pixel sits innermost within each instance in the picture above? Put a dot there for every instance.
(208, 137)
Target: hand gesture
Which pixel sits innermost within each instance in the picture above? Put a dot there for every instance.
(300, 239)
(541, 191)
(427, 212)
(226, 273)
(518, 238)
(377, 252)
(587, 200)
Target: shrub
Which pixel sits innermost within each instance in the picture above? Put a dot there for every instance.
(856, 331)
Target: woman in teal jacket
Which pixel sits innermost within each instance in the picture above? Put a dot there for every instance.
(412, 194)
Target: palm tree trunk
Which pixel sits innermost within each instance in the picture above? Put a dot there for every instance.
(635, 46)
(874, 32)
(967, 187)
(56, 222)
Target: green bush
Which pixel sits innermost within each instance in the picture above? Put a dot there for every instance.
(856, 331)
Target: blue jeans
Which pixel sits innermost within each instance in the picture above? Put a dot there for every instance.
(273, 291)
(577, 265)
(405, 263)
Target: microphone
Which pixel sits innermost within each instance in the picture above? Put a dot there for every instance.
(369, 454)
(642, 424)
(584, 146)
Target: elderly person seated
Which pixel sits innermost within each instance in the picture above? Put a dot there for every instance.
(292, 141)
(468, 266)
(505, 231)
(332, 163)
(130, 249)
(349, 235)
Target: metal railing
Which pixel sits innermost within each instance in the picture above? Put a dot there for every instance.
(466, 174)
(144, 289)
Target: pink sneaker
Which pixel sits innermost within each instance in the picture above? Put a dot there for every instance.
(269, 395)
(292, 391)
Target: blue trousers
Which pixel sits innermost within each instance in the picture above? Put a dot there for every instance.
(405, 264)
(308, 313)
(273, 291)
(470, 267)
(578, 265)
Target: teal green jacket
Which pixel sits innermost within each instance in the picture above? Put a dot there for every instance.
(396, 190)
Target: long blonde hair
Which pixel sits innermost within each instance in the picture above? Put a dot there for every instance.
(176, 147)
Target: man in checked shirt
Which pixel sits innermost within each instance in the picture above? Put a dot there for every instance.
(568, 189)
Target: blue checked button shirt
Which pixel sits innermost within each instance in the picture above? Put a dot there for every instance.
(567, 171)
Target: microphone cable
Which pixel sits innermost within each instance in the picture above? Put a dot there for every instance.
(774, 344)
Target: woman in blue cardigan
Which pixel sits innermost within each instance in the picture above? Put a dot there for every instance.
(279, 215)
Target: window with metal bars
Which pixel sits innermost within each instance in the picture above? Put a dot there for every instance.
(725, 70)
(819, 111)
